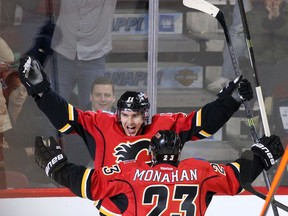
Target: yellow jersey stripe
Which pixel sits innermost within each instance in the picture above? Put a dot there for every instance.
(236, 165)
(199, 118)
(84, 183)
(70, 112)
(70, 118)
(205, 134)
(65, 128)
(107, 212)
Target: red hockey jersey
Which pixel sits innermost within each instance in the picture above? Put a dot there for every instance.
(160, 190)
(108, 144)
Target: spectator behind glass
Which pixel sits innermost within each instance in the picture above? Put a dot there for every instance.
(19, 154)
(268, 26)
(11, 20)
(15, 94)
(102, 95)
(268, 22)
(239, 45)
(85, 39)
(6, 57)
(6, 54)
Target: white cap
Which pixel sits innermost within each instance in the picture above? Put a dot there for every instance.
(6, 54)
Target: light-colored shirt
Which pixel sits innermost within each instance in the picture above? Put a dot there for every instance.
(5, 123)
(85, 28)
(6, 54)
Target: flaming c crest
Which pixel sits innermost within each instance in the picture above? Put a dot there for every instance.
(132, 151)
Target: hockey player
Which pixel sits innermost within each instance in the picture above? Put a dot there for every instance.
(166, 186)
(125, 135)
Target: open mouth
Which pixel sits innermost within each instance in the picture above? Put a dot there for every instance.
(131, 130)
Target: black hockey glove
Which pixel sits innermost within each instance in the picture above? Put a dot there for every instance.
(269, 149)
(240, 89)
(41, 48)
(48, 155)
(33, 77)
(245, 91)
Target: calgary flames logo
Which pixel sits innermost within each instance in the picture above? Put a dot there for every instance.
(133, 151)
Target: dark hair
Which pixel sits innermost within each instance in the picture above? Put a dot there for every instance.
(135, 101)
(102, 81)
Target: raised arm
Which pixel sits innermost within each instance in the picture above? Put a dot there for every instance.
(215, 114)
(38, 86)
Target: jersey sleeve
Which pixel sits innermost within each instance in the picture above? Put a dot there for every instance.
(67, 119)
(94, 184)
(90, 183)
(56, 109)
(72, 176)
(224, 179)
(206, 121)
(64, 117)
(227, 179)
(256, 168)
(215, 114)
